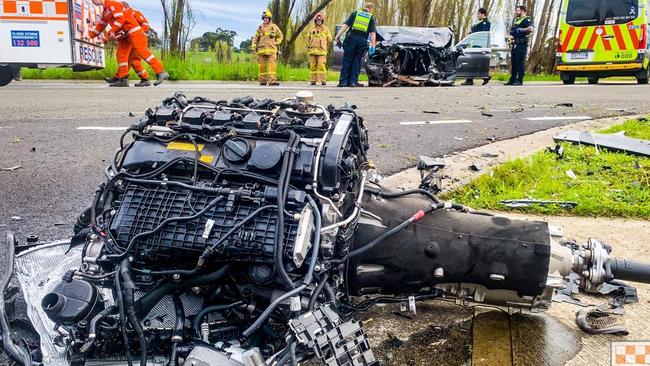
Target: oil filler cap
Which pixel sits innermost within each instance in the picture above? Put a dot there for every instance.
(266, 157)
(237, 150)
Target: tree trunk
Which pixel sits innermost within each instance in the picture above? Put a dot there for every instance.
(177, 27)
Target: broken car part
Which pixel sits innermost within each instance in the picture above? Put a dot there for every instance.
(410, 56)
(528, 203)
(614, 142)
(244, 232)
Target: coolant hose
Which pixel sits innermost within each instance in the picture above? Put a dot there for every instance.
(129, 307)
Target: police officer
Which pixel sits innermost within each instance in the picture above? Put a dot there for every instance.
(265, 44)
(483, 25)
(359, 25)
(519, 34)
(318, 43)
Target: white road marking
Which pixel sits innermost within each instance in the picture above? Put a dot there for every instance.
(441, 122)
(564, 118)
(102, 128)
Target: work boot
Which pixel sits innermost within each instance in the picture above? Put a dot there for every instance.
(313, 83)
(111, 80)
(274, 83)
(342, 86)
(509, 83)
(262, 83)
(323, 83)
(517, 83)
(120, 83)
(358, 85)
(143, 83)
(468, 82)
(161, 78)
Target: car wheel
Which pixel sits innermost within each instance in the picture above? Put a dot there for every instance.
(6, 75)
(592, 80)
(642, 76)
(567, 79)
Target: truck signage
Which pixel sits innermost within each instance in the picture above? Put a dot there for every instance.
(24, 38)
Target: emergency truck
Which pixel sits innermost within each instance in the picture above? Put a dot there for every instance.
(48, 33)
(603, 38)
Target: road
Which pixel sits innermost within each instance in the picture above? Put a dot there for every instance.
(62, 164)
(61, 134)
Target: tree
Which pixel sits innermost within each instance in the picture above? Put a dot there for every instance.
(179, 21)
(245, 46)
(154, 39)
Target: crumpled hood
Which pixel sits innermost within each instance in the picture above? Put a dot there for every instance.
(439, 37)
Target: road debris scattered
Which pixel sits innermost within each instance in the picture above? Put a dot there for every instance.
(571, 174)
(487, 114)
(614, 142)
(600, 320)
(16, 218)
(431, 112)
(475, 168)
(566, 105)
(531, 202)
(557, 150)
(11, 169)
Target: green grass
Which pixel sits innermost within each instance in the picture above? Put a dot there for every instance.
(608, 184)
(198, 66)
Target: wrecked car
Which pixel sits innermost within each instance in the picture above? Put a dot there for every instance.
(417, 56)
(250, 232)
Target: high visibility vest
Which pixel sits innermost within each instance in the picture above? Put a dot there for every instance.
(518, 21)
(362, 21)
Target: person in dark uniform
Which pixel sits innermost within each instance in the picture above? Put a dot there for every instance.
(483, 25)
(360, 25)
(519, 35)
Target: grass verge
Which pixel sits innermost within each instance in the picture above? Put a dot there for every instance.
(196, 67)
(607, 184)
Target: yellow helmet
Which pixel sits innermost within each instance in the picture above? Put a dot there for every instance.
(267, 14)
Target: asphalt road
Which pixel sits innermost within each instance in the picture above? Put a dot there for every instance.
(61, 164)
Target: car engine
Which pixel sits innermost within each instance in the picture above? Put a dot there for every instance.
(250, 232)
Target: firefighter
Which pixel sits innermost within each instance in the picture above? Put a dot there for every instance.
(265, 44)
(135, 60)
(483, 25)
(360, 25)
(519, 34)
(318, 42)
(124, 25)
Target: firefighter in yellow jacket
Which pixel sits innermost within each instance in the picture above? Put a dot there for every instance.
(318, 43)
(265, 43)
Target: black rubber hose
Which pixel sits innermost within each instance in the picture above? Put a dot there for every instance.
(17, 353)
(119, 299)
(390, 233)
(317, 291)
(283, 186)
(262, 318)
(627, 270)
(92, 329)
(196, 324)
(153, 297)
(390, 195)
(177, 335)
(162, 225)
(129, 307)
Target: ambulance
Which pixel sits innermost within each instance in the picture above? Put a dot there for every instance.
(48, 33)
(603, 38)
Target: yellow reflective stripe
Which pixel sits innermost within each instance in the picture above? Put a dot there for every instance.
(603, 67)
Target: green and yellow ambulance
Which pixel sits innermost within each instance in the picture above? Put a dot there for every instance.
(603, 38)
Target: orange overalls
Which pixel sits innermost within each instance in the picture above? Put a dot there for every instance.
(125, 21)
(135, 60)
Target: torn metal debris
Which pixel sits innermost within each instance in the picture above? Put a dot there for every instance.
(410, 56)
(614, 142)
(529, 203)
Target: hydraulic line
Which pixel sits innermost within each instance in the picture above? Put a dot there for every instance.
(196, 324)
(262, 318)
(119, 299)
(392, 232)
(177, 335)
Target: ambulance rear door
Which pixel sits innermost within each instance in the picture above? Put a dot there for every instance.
(88, 54)
(35, 32)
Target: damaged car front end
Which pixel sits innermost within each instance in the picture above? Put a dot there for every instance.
(410, 56)
(250, 232)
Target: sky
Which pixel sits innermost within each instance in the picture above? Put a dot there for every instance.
(241, 16)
